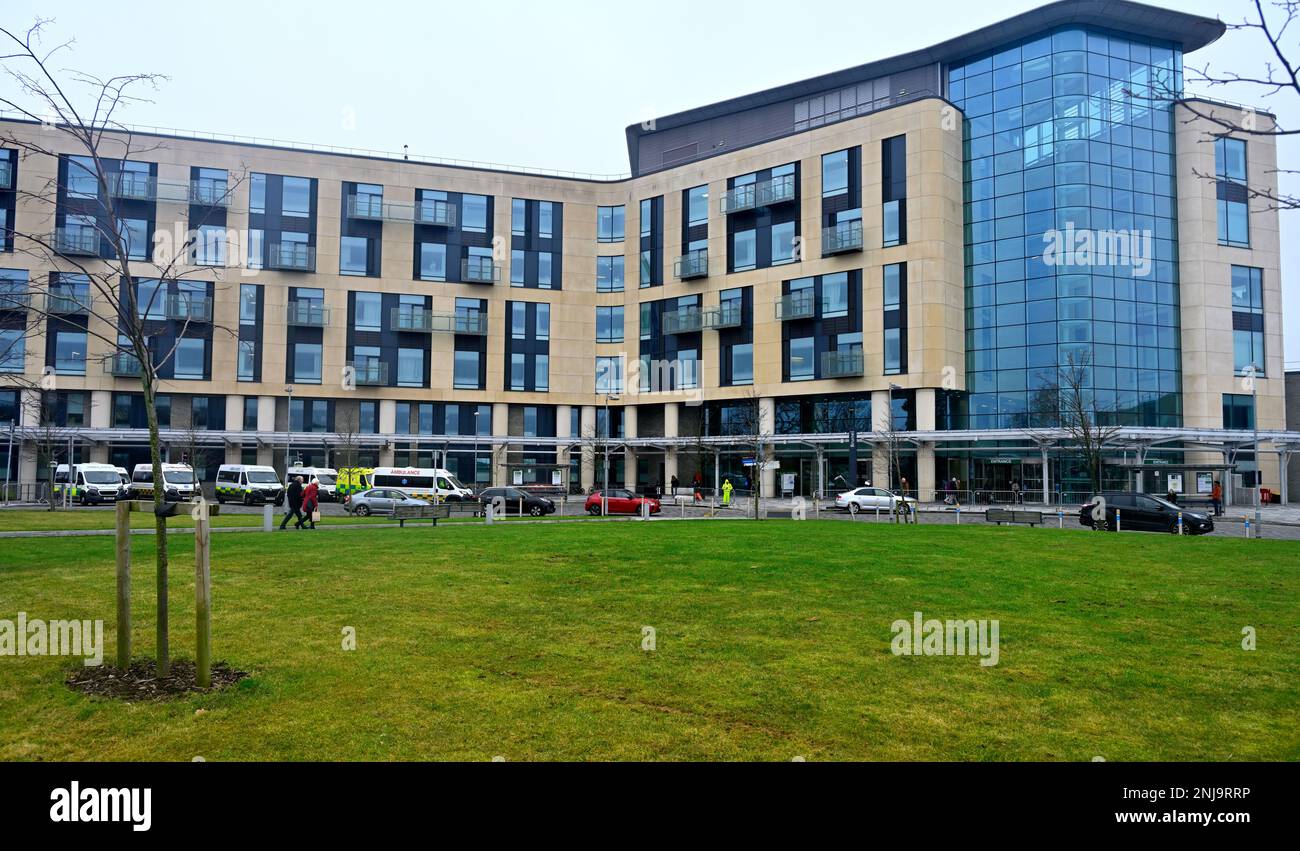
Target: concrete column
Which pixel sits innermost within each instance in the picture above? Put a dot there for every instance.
(880, 417)
(588, 466)
(924, 409)
(767, 427)
(98, 453)
(27, 463)
(563, 416)
(670, 454)
(234, 414)
(500, 428)
(925, 478)
(387, 416)
(629, 457)
(266, 413)
(101, 409)
(30, 409)
(880, 411)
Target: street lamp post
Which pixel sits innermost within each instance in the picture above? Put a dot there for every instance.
(1254, 417)
(288, 430)
(892, 448)
(604, 491)
(475, 473)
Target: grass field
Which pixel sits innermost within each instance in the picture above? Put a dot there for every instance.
(773, 641)
(79, 519)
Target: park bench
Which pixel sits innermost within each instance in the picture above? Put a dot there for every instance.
(1006, 515)
(433, 513)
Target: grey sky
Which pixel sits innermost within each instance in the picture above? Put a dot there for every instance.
(533, 84)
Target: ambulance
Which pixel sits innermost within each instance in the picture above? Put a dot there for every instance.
(434, 485)
(91, 483)
(179, 482)
(249, 484)
(326, 479)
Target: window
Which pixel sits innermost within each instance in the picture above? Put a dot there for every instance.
(609, 374)
(410, 367)
(433, 261)
(518, 259)
(295, 199)
(544, 269)
(190, 359)
(542, 373)
(465, 376)
(835, 295)
(609, 324)
(82, 182)
(519, 320)
(895, 318)
(1233, 196)
(13, 349)
(1234, 223)
(247, 360)
(368, 417)
(543, 322)
(894, 190)
(835, 174)
(742, 250)
(210, 246)
(517, 363)
(473, 213)
(742, 363)
(802, 364)
(199, 410)
(250, 413)
(367, 312)
(609, 224)
(256, 248)
(135, 233)
(782, 243)
(257, 193)
(545, 219)
(1238, 411)
(647, 268)
(1248, 320)
(1230, 159)
(353, 254)
(647, 217)
(688, 369)
(70, 352)
(609, 274)
(307, 363)
(697, 206)
(518, 217)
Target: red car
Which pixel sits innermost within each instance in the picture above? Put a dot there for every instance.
(620, 502)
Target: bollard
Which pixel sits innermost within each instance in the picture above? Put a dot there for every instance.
(268, 518)
(488, 513)
(1247, 527)
(877, 513)
(682, 506)
(1060, 519)
(123, 526)
(1180, 523)
(202, 596)
(1118, 526)
(959, 515)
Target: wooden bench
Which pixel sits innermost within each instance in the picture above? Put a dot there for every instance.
(433, 513)
(1006, 515)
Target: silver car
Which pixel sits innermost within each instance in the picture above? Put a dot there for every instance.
(379, 501)
(870, 499)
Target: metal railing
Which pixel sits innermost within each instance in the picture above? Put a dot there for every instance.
(67, 303)
(479, 270)
(846, 363)
(122, 365)
(410, 317)
(683, 320)
(764, 193)
(370, 372)
(436, 213)
(726, 315)
(308, 314)
(132, 186)
(291, 256)
(471, 322)
(796, 305)
(6, 174)
(76, 240)
(842, 237)
(369, 207)
(209, 192)
(15, 299)
(191, 307)
(692, 264)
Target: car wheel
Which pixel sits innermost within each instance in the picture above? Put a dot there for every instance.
(536, 511)
(1173, 527)
(248, 499)
(594, 511)
(854, 508)
(221, 500)
(362, 511)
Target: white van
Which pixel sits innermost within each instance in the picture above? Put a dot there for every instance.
(422, 483)
(326, 479)
(125, 476)
(179, 483)
(249, 484)
(94, 483)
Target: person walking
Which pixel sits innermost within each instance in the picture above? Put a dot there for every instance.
(310, 504)
(293, 503)
(673, 484)
(1216, 498)
(726, 492)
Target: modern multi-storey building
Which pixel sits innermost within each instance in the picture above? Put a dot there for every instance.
(864, 259)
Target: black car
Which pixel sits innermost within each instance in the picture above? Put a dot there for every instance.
(1143, 512)
(531, 503)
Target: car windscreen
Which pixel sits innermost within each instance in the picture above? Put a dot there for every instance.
(263, 477)
(102, 477)
(325, 478)
(179, 477)
(456, 483)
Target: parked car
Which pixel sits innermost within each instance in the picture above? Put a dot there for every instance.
(620, 501)
(532, 504)
(869, 499)
(1143, 512)
(379, 501)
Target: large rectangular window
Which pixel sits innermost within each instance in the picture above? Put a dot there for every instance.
(1248, 320)
(1232, 194)
(609, 274)
(466, 375)
(307, 363)
(609, 324)
(895, 318)
(609, 374)
(609, 224)
(894, 190)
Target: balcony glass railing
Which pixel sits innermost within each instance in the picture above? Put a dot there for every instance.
(436, 213)
(369, 207)
(123, 365)
(189, 307)
(692, 264)
(842, 237)
(76, 240)
(132, 186)
(725, 315)
(311, 314)
(683, 321)
(796, 305)
(370, 372)
(12, 298)
(843, 363)
(208, 192)
(68, 303)
(462, 322)
(764, 193)
(409, 317)
(479, 270)
(291, 256)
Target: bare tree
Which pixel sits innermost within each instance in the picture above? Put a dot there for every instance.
(51, 443)
(76, 113)
(1068, 396)
(888, 437)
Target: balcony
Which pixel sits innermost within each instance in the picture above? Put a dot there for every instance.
(683, 321)
(207, 192)
(307, 314)
(410, 317)
(479, 270)
(78, 240)
(727, 315)
(189, 307)
(132, 187)
(370, 372)
(291, 256)
(472, 322)
(844, 363)
(842, 238)
(6, 174)
(366, 207)
(14, 299)
(796, 305)
(123, 365)
(67, 303)
(765, 193)
(436, 213)
(692, 264)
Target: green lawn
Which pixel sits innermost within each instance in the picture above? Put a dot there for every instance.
(40, 520)
(773, 642)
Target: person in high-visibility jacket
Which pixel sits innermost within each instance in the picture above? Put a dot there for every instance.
(726, 492)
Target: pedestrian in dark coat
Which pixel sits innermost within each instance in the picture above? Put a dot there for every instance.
(293, 503)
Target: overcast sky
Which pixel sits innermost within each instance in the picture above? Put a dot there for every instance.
(538, 84)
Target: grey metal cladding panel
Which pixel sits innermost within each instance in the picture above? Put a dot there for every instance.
(916, 80)
(715, 136)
